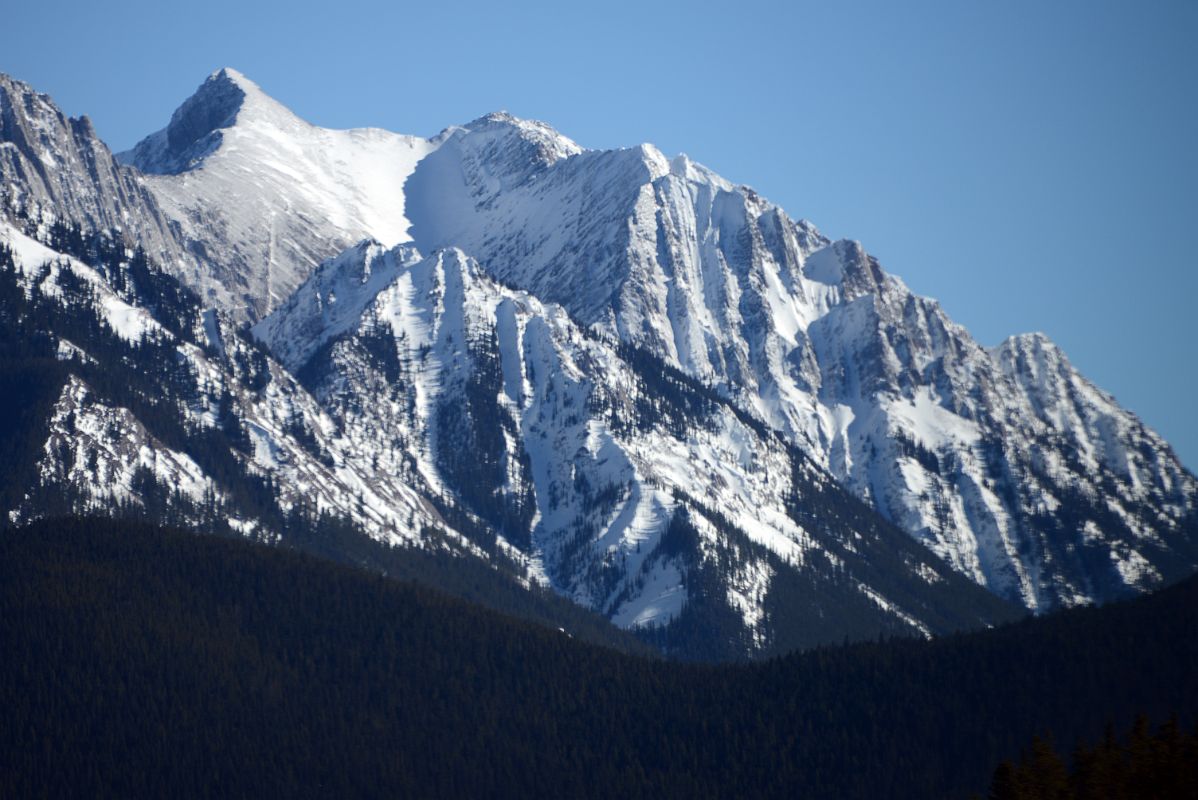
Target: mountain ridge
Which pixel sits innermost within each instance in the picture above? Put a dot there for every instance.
(428, 333)
(547, 305)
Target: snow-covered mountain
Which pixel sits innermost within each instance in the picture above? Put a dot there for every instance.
(447, 413)
(122, 396)
(157, 389)
(262, 197)
(1007, 463)
(636, 382)
(620, 482)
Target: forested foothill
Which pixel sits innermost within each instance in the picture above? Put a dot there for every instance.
(143, 661)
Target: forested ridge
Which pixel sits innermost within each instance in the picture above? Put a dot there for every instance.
(142, 661)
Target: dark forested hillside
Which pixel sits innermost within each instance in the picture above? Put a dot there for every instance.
(1139, 765)
(139, 661)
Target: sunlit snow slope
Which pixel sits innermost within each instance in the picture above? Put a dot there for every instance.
(263, 196)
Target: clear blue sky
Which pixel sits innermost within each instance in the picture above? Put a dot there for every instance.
(1033, 165)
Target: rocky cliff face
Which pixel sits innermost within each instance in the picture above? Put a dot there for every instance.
(55, 167)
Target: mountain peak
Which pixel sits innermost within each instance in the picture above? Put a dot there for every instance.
(500, 116)
(1032, 355)
(549, 142)
(228, 74)
(225, 98)
(1034, 343)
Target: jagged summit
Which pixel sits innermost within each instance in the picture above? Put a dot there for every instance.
(512, 148)
(312, 191)
(196, 127)
(264, 196)
(37, 105)
(532, 128)
(233, 76)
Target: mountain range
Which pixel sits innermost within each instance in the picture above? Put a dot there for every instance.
(611, 374)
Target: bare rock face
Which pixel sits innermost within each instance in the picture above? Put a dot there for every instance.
(195, 127)
(54, 167)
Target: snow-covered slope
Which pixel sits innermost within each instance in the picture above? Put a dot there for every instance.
(623, 484)
(262, 196)
(164, 397)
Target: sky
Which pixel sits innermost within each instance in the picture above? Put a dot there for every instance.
(1032, 165)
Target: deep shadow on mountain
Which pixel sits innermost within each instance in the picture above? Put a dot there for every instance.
(143, 661)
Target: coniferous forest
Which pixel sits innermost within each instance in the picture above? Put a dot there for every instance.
(140, 661)
(1140, 764)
